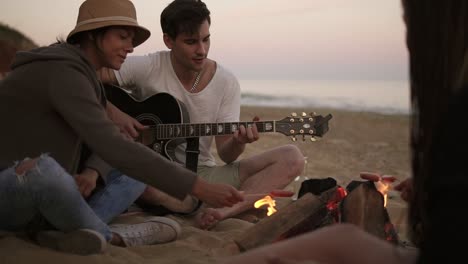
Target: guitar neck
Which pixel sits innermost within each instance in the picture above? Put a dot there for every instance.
(170, 131)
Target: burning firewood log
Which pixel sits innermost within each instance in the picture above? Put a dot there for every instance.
(274, 227)
(364, 206)
(321, 202)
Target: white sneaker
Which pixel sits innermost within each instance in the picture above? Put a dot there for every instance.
(154, 230)
(81, 241)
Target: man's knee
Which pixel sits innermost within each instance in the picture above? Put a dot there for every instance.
(295, 159)
(25, 166)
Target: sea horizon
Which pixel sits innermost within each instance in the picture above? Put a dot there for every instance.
(379, 96)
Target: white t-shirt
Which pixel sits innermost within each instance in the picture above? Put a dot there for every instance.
(219, 102)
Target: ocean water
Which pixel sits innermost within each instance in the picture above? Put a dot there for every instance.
(388, 97)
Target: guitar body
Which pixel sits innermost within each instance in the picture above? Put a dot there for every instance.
(161, 108)
(169, 124)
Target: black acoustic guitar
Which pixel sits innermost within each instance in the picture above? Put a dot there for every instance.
(169, 124)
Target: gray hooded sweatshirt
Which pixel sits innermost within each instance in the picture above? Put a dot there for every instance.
(52, 102)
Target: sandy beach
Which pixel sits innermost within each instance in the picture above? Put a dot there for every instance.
(356, 141)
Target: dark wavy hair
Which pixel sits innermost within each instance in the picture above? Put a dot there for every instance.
(184, 16)
(437, 40)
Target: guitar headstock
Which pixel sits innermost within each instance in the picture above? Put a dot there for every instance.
(312, 125)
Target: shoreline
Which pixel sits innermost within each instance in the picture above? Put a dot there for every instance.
(383, 111)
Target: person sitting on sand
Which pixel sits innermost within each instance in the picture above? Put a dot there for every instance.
(211, 94)
(54, 107)
(437, 41)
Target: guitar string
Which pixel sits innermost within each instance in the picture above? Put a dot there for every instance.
(226, 125)
(212, 126)
(198, 127)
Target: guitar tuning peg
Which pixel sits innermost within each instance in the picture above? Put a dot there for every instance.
(294, 114)
(293, 138)
(304, 114)
(313, 114)
(313, 139)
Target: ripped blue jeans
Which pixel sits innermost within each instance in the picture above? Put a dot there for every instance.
(47, 192)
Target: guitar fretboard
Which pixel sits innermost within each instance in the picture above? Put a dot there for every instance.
(170, 131)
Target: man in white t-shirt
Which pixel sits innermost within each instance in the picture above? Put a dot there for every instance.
(211, 94)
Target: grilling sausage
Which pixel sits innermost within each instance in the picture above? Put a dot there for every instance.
(370, 176)
(281, 193)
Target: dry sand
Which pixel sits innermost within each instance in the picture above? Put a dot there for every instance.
(356, 142)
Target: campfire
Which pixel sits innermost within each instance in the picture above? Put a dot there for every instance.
(323, 202)
(269, 201)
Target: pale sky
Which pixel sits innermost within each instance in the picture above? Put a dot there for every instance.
(262, 39)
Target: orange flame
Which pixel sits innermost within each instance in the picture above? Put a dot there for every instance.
(383, 187)
(334, 201)
(267, 200)
(381, 182)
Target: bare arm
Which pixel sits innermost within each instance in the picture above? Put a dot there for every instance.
(231, 147)
(333, 244)
(228, 149)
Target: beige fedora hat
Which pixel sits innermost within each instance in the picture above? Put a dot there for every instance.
(95, 14)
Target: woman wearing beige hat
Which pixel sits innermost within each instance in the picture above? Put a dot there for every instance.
(55, 111)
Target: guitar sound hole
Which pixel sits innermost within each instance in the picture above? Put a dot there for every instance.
(149, 136)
